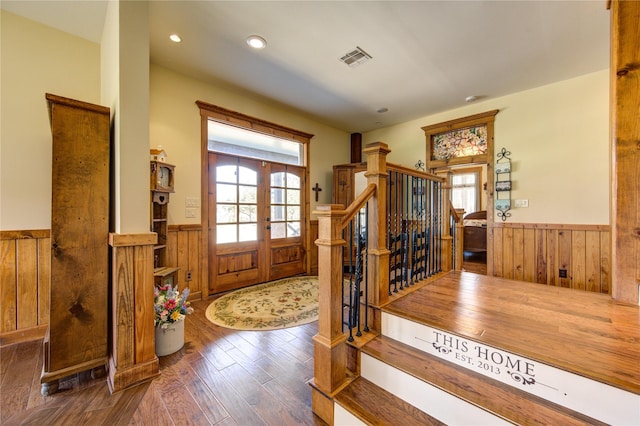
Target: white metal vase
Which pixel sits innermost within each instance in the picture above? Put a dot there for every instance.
(170, 339)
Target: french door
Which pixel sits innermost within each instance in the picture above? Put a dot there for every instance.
(256, 221)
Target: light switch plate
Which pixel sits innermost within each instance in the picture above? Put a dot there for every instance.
(192, 202)
(521, 203)
(190, 213)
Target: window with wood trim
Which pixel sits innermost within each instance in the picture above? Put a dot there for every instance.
(464, 140)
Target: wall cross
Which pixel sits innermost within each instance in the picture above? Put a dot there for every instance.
(316, 189)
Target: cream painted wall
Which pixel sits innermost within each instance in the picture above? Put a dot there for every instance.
(558, 136)
(175, 125)
(125, 89)
(36, 59)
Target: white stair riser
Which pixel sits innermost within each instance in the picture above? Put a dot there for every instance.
(430, 399)
(592, 398)
(342, 417)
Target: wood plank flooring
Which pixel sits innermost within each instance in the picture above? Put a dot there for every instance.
(221, 377)
(582, 332)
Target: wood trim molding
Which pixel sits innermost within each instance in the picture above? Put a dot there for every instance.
(214, 112)
(126, 240)
(579, 227)
(186, 227)
(20, 235)
(228, 116)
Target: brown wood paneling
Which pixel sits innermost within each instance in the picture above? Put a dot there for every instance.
(552, 257)
(498, 269)
(564, 257)
(507, 253)
(592, 261)
(185, 244)
(529, 255)
(25, 259)
(518, 254)
(44, 279)
(578, 260)
(132, 358)
(540, 253)
(313, 248)
(193, 264)
(605, 262)
(8, 285)
(27, 284)
(537, 252)
(144, 331)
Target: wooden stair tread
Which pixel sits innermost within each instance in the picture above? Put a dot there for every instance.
(493, 396)
(603, 334)
(376, 406)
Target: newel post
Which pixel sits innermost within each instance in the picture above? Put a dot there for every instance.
(378, 252)
(445, 236)
(330, 350)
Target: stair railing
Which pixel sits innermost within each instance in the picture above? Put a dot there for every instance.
(356, 241)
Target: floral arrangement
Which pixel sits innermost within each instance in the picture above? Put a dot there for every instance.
(170, 306)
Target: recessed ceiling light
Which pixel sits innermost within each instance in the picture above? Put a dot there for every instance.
(175, 38)
(256, 42)
(383, 109)
(471, 98)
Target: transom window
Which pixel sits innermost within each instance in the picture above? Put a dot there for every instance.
(233, 140)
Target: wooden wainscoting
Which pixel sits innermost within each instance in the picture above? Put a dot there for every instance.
(537, 252)
(184, 250)
(25, 264)
(25, 260)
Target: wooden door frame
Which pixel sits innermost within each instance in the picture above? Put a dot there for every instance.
(226, 116)
(487, 118)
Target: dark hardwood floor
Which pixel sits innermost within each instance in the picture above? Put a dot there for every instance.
(220, 377)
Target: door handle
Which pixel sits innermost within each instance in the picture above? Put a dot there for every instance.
(268, 219)
(267, 227)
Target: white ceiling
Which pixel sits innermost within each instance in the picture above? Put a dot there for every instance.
(428, 56)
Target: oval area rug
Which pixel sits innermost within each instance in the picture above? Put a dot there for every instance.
(274, 305)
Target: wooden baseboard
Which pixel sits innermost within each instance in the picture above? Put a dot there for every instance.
(120, 379)
(23, 335)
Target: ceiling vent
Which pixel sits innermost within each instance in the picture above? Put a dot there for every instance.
(355, 57)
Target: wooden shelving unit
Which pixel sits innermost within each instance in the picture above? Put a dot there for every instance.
(162, 181)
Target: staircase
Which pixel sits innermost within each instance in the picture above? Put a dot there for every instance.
(467, 349)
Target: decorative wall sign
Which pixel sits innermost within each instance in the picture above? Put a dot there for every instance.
(559, 386)
(503, 205)
(503, 184)
(503, 168)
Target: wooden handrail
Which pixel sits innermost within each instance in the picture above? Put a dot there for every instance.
(415, 173)
(454, 213)
(357, 204)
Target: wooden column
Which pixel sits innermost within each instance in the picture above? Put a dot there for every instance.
(378, 257)
(625, 150)
(132, 359)
(330, 351)
(446, 248)
(356, 147)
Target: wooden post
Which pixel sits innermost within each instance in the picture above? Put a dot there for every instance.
(330, 351)
(378, 257)
(625, 151)
(446, 247)
(132, 359)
